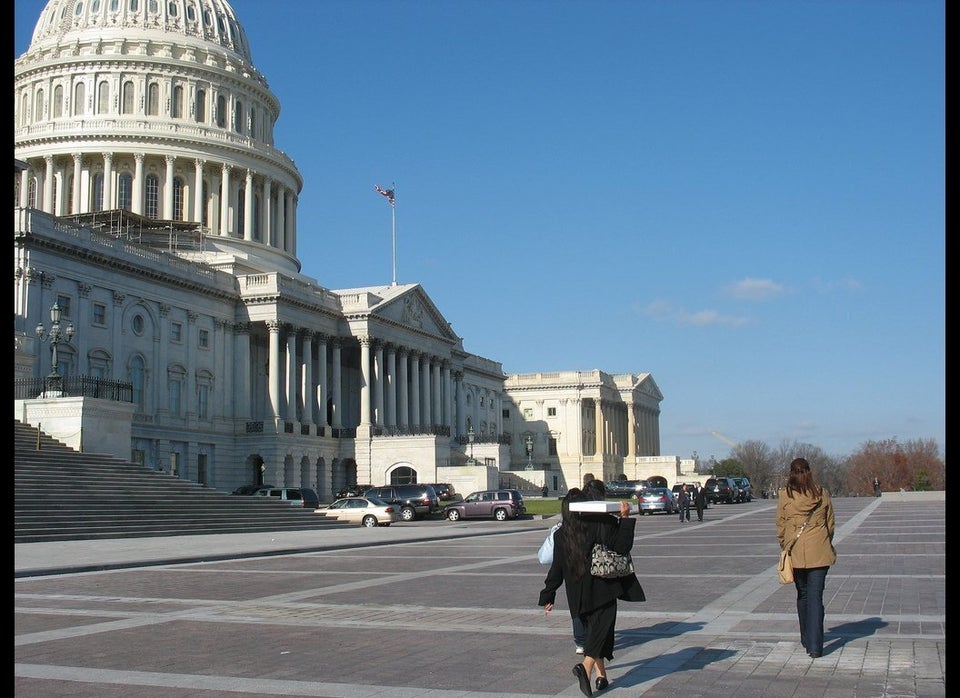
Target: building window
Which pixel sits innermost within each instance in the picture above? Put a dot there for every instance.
(203, 399)
(200, 107)
(153, 99)
(174, 386)
(125, 193)
(221, 114)
(176, 332)
(38, 110)
(241, 210)
(57, 101)
(126, 97)
(103, 98)
(203, 339)
(137, 324)
(100, 314)
(153, 196)
(552, 445)
(551, 411)
(505, 414)
(202, 468)
(528, 413)
(176, 103)
(64, 303)
(178, 198)
(238, 117)
(79, 96)
(98, 192)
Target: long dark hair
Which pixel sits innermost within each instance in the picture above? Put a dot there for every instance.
(802, 480)
(573, 535)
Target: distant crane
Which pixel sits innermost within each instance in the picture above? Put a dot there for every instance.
(724, 439)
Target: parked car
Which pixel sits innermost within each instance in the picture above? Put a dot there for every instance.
(414, 501)
(487, 504)
(621, 489)
(654, 499)
(248, 490)
(722, 490)
(352, 491)
(366, 511)
(743, 485)
(445, 491)
(691, 490)
(294, 496)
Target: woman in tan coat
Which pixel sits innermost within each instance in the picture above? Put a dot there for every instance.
(813, 552)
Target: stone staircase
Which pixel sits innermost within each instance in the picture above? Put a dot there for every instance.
(61, 494)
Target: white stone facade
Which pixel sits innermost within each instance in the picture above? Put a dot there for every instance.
(153, 206)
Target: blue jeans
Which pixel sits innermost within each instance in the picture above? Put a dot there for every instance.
(579, 634)
(810, 583)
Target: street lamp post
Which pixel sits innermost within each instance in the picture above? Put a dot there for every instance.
(55, 337)
(470, 437)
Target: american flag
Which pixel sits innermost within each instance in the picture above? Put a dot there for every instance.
(385, 192)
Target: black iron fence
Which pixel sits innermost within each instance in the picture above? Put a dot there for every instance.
(74, 386)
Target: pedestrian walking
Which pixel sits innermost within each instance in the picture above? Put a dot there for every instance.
(700, 500)
(805, 520)
(683, 502)
(593, 599)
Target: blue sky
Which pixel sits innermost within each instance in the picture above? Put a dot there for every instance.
(745, 199)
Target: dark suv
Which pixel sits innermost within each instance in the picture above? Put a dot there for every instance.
(487, 504)
(414, 501)
(722, 489)
(445, 491)
(746, 491)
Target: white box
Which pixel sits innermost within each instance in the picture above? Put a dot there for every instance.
(600, 507)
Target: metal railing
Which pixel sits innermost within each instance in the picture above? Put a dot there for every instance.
(74, 386)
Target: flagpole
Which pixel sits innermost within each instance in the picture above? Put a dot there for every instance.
(393, 219)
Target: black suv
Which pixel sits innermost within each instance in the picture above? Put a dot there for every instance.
(445, 491)
(746, 491)
(722, 489)
(352, 491)
(414, 501)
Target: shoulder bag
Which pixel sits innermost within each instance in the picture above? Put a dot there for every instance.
(607, 563)
(545, 553)
(785, 566)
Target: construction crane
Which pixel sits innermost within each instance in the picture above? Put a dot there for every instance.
(724, 439)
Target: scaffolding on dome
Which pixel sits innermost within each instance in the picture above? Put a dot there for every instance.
(155, 233)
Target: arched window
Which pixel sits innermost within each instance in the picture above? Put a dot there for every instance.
(24, 108)
(125, 193)
(127, 97)
(138, 377)
(103, 98)
(176, 103)
(79, 97)
(238, 117)
(253, 122)
(38, 107)
(178, 199)
(153, 196)
(97, 192)
(153, 99)
(69, 194)
(221, 115)
(201, 106)
(58, 101)
(32, 192)
(176, 376)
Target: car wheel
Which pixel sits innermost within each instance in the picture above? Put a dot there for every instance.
(453, 515)
(369, 521)
(500, 515)
(408, 513)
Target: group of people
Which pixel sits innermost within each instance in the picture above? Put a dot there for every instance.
(805, 520)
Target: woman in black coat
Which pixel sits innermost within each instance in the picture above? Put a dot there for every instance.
(592, 599)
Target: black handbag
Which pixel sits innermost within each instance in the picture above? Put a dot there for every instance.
(608, 564)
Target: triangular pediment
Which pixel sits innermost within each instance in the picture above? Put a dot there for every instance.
(407, 306)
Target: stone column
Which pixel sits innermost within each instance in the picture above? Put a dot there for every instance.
(248, 207)
(273, 370)
(241, 388)
(291, 411)
(107, 181)
(306, 377)
(198, 202)
(281, 221)
(403, 419)
(335, 387)
(322, 389)
(391, 409)
(415, 388)
(365, 381)
(426, 415)
(266, 229)
(136, 203)
(48, 185)
(225, 201)
(78, 205)
(167, 211)
(378, 378)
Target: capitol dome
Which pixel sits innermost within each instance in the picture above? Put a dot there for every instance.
(150, 113)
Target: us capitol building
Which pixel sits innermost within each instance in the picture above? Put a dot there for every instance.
(160, 311)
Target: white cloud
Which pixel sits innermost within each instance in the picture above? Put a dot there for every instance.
(665, 311)
(755, 289)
